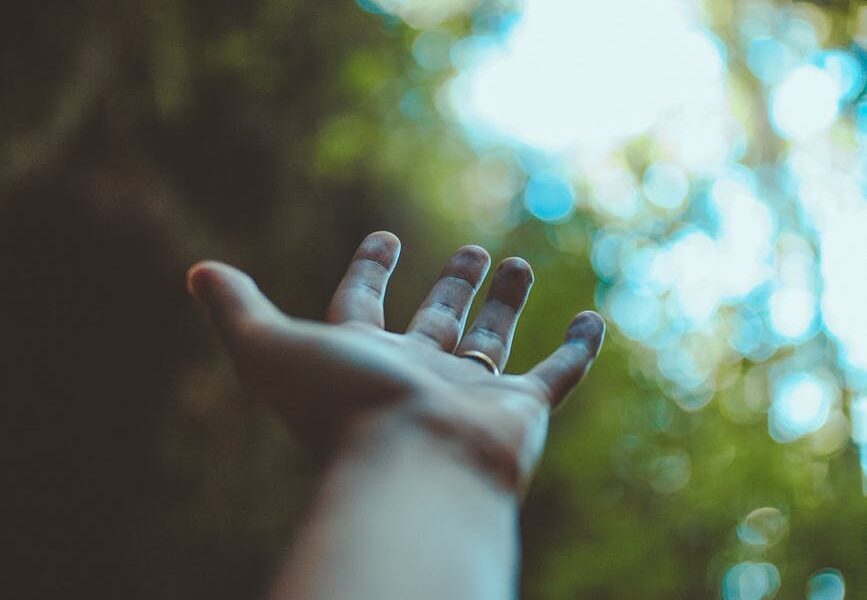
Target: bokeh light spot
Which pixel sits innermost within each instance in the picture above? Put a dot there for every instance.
(792, 312)
(606, 253)
(636, 312)
(827, 584)
(431, 50)
(751, 581)
(846, 70)
(805, 103)
(763, 527)
(801, 405)
(665, 185)
(769, 59)
(670, 473)
(549, 197)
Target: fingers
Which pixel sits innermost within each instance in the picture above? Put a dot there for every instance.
(441, 317)
(360, 294)
(494, 327)
(230, 295)
(565, 367)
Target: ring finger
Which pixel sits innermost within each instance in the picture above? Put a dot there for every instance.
(494, 326)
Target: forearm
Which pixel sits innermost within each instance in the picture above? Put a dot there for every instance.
(403, 513)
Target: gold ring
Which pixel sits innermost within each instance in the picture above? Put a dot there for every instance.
(481, 357)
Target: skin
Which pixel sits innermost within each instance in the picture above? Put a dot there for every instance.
(428, 452)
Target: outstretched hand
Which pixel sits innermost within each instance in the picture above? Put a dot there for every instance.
(326, 376)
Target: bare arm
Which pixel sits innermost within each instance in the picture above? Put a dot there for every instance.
(401, 516)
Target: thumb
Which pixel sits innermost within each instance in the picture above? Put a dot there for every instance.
(230, 295)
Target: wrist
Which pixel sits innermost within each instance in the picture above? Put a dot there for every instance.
(501, 452)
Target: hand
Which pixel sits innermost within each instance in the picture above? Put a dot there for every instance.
(325, 377)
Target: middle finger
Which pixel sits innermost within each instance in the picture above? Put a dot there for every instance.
(441, 317)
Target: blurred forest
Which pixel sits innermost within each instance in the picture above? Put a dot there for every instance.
(139, 137)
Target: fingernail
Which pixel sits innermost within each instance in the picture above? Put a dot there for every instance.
(587, 327)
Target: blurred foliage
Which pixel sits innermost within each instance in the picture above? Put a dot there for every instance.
(138, 137)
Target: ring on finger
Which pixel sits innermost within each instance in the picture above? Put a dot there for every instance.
(481, 358)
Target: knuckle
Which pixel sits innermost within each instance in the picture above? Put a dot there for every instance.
(488, 333)
(374, 287)
(446, 308)
(490, 338)
(431, 338)
(465, 282)
(535, 387)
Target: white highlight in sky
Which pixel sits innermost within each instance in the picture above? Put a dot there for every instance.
(589, 74)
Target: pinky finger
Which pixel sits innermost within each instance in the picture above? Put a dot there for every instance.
(566, 366)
